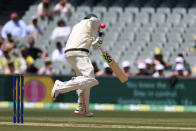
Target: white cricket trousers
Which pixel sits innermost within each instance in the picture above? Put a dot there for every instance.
(84, 81)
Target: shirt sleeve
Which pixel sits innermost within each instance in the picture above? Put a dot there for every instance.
(24, 28)
(68, 31)
(56, 8)
(4, 30)
(53, 36)
(40, 30)
(94, 25)
(28, 29)
(53, 55)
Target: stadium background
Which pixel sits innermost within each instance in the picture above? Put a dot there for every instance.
(133, 29)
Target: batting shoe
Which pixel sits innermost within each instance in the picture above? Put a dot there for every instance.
(85, 114)
(55, 88)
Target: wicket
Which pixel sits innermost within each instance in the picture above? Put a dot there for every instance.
(18, 83)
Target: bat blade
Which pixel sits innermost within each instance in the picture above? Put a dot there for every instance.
(119, 73)
(114, 66)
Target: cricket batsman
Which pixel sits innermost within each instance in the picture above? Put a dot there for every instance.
(83, 35)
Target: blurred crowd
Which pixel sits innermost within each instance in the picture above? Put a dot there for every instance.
(17, 58)
(20, 58)
(45, 10)
(151, 67)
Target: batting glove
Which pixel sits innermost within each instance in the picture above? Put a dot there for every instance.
(97, 43)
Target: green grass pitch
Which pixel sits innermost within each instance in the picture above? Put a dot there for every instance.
(65, 120)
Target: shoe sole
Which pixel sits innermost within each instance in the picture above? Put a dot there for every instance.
(78, 114)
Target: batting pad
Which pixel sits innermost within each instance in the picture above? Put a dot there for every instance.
(79, 82)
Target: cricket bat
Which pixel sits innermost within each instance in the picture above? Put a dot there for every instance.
(113, 65)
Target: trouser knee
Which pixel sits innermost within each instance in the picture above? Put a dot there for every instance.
(94, 82)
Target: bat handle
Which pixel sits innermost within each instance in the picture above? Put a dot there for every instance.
(101, 49)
